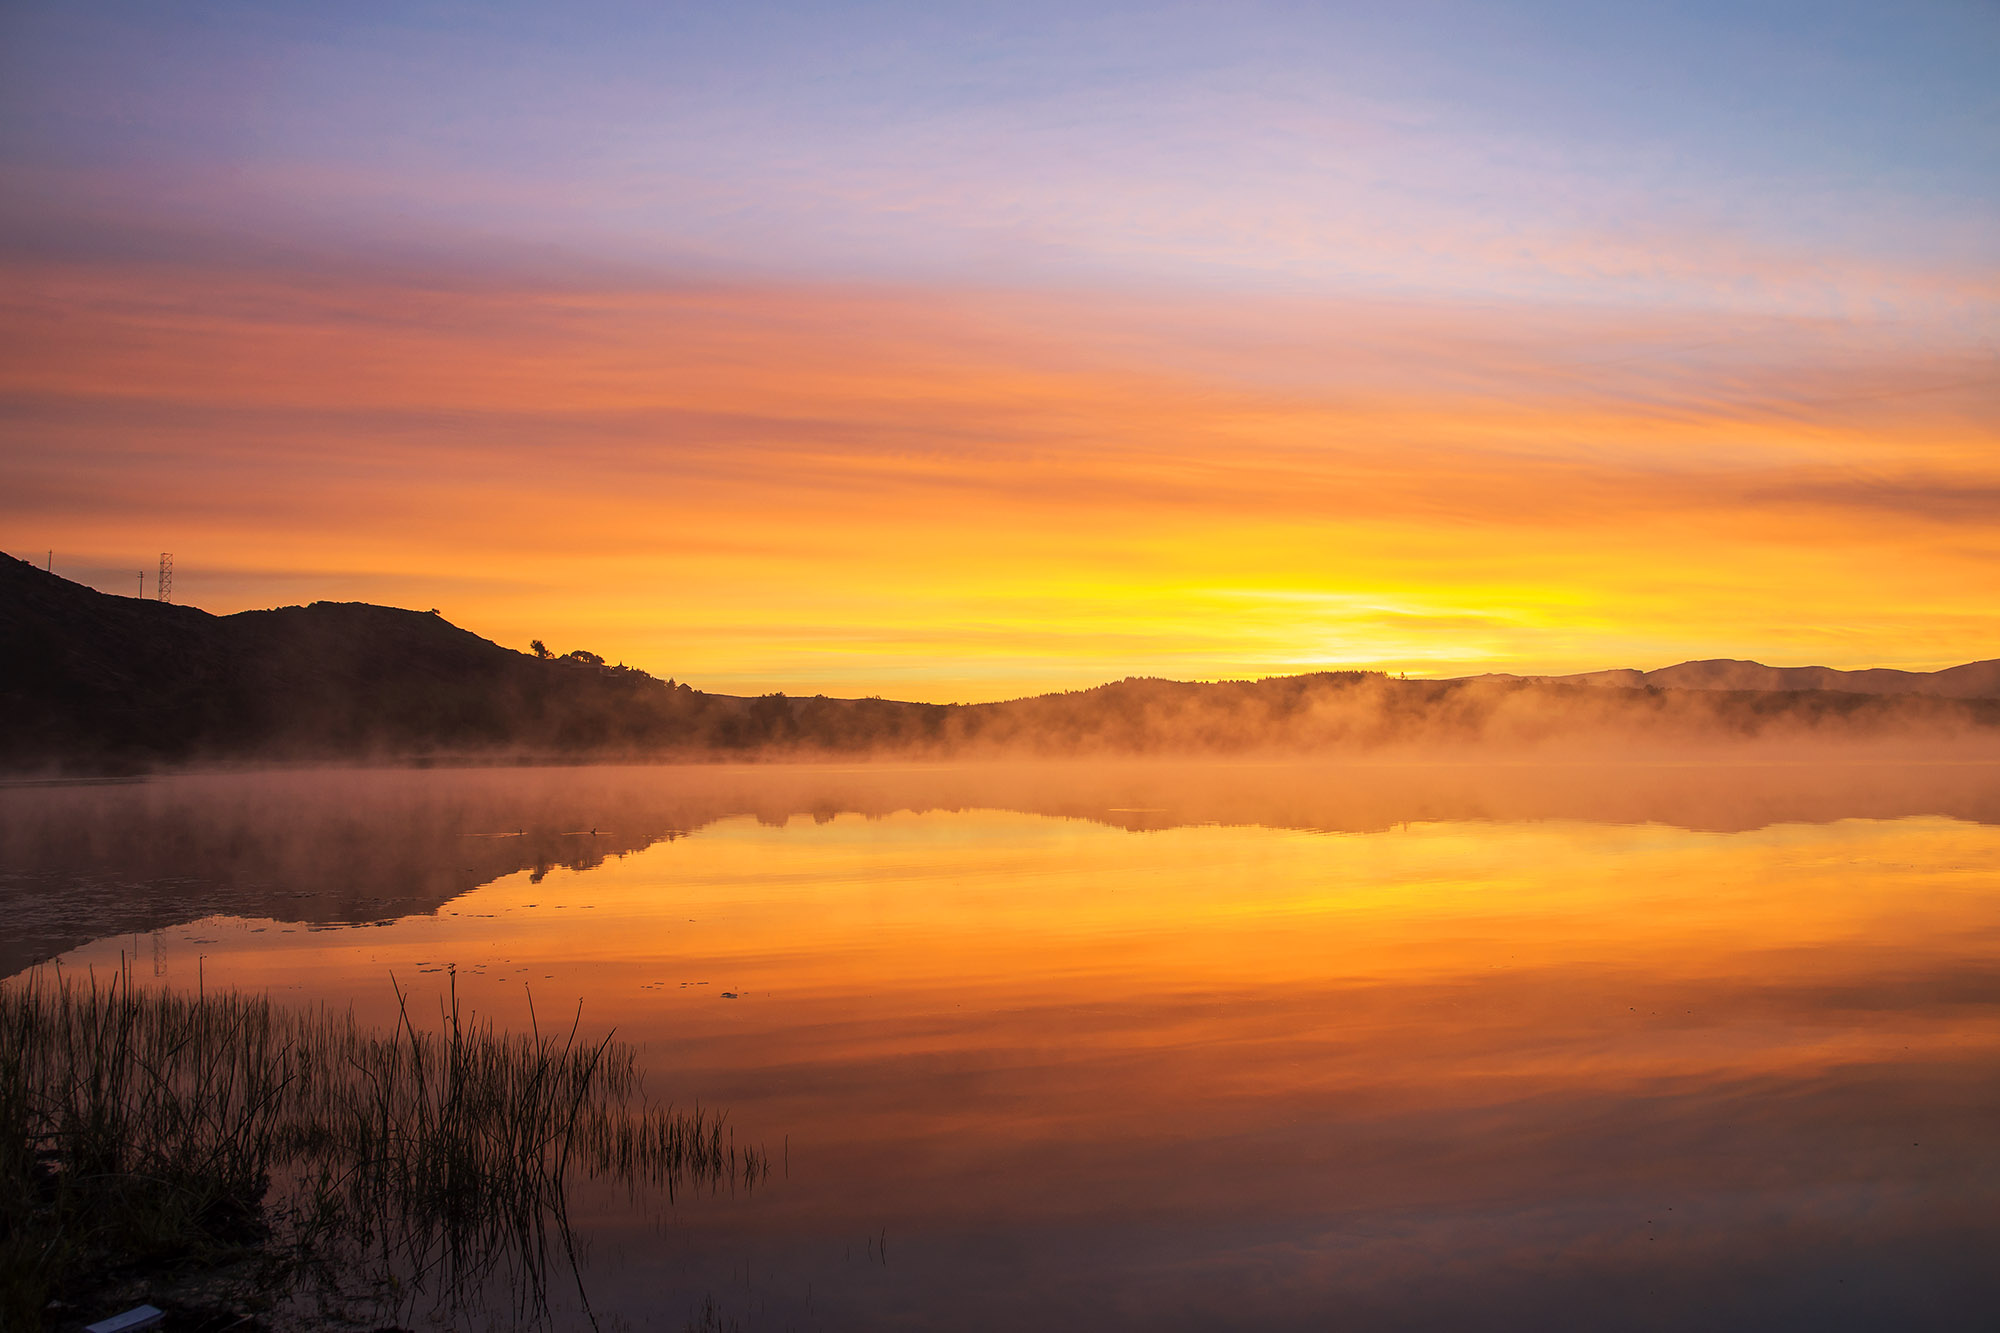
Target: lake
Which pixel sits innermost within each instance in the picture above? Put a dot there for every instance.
(1163, 1046)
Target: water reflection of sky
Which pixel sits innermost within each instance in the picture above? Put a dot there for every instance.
(1028, 1070)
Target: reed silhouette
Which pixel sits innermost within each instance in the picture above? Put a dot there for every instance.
(145, 1130)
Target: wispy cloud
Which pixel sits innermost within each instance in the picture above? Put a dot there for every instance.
(899, 349)
(762, 484)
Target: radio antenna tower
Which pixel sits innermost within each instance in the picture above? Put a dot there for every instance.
(163, 586)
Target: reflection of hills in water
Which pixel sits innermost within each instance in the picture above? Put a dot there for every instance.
(86, 861)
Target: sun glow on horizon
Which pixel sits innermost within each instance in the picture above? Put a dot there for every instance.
(885, 357)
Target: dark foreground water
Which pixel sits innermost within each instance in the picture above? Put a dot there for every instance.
(1269, 1047)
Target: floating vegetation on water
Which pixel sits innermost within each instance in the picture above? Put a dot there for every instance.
(144, 1130)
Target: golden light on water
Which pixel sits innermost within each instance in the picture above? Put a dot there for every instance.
(1276, 1038)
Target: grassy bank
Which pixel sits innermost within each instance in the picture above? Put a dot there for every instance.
(147, 1133)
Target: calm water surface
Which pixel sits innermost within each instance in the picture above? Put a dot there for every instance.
(1140, 1047)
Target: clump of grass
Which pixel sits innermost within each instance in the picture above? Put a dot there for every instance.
(144, 1129)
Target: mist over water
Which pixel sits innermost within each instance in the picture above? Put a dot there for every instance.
(1272, 1044)
(348, 845)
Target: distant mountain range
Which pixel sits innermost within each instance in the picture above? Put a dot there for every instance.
(1974, 680)
(92, 682)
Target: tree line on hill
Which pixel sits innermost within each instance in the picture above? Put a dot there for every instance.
(91, 681)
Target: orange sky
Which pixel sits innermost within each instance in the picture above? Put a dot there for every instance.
(909, 350)
(962, 493)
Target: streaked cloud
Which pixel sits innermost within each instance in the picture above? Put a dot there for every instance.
(835, 487)
(920, 352)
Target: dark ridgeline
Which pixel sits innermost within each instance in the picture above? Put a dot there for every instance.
(93, 678)
(95, 682)
(1974, 680)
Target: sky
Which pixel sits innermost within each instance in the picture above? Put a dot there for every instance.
(956, 352)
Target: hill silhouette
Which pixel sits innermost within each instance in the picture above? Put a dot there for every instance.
(94, 677)
(1974, 680)
(94, 682)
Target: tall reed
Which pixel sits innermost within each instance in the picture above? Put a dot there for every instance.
(140, 1126)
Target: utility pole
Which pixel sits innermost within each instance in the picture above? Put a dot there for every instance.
(142, 585)
(163, 586)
